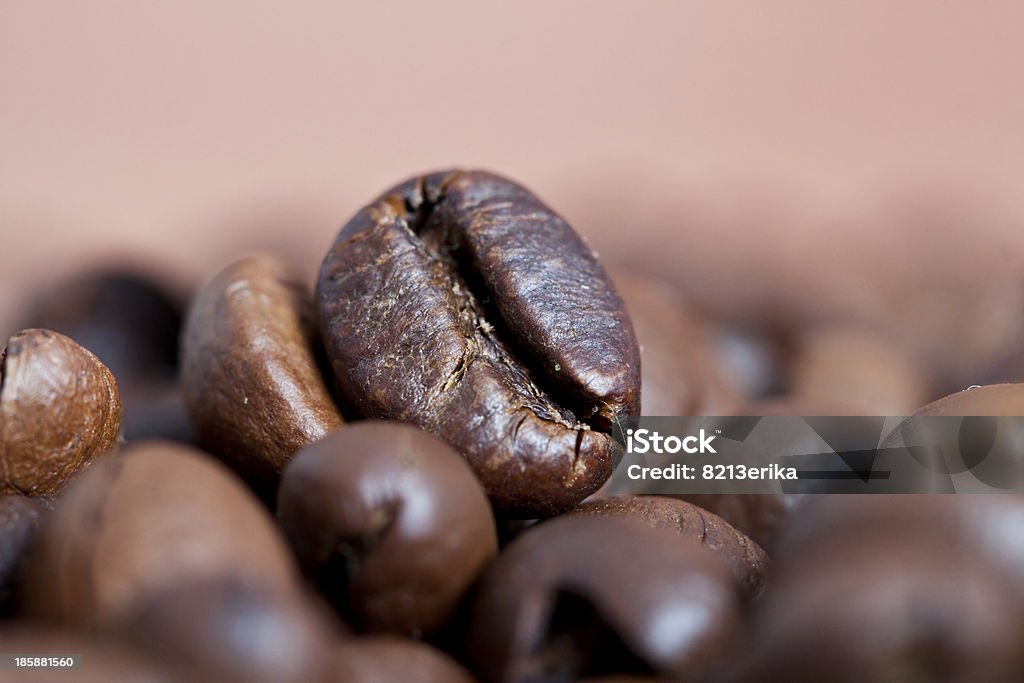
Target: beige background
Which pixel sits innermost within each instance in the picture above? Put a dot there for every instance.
(866, 136)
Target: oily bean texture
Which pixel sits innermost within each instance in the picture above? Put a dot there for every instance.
(60, 408)
(460, 303)
(390, 522)
(151, 517)
(745, 558)
(251, 382)
(587, 596)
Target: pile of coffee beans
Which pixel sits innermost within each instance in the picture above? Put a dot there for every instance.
(397, 473)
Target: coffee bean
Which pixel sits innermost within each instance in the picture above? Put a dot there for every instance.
(589, 596)
(993, 399)
(154, 516)
(131, 321)
(761, 516)
(20, 517)
(459, 302)
(224, 629)
(59, 409)
(680, 373)
(745, 558)
(917, 588)
(390, 522)
(127, 318)
(384, 659)
(249, 371)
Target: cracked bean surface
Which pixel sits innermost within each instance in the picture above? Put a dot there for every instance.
(459, 302)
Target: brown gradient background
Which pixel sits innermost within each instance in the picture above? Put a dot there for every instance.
(786, 154)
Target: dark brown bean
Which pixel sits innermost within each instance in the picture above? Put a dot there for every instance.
(459, 302)
(129, 320)
(385, 659)
(151, 517)
(745, 558)
(20, 517)
(917, 588)
(59, 410)
(589, 596)
(249, 372)
(761, 516)
(390, 522)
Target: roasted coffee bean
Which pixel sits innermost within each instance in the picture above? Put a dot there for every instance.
(459, 302)
(128, 319)
(761, 516)
(859, 368)
(154, 516)
(59, 409)
(589, 596)
(679, 365)
(249, 371)
(917, 588)
(20, 517)
(131, 322)
(386, 659)
(745, 558)
(390, 522)
(224, 629)
(97, 661)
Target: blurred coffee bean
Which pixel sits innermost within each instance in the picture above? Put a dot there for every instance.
(591, 595)
(252, 386)
(459, 302)
(60, 408)
(390, 522)
(386, 659)
(745, 558)
(20, 517)
(749, 361)
(678, 365)
(152, 517)
(129, 320)
(993, 399)
(854, 366)
(918, 588)
(224, 629)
